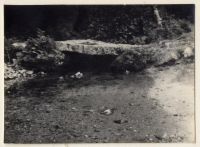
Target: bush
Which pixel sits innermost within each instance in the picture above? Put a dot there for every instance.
(40, 54)
(10, 51)
(131, 60)
(132, 25)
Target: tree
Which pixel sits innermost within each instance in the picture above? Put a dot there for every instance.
(158, 18)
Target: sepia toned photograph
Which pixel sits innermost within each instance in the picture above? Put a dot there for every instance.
(99, 73)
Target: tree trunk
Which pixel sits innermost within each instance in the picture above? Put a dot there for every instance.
(158, 18)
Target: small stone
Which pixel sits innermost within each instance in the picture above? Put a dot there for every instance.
(150, 139)
(94, 137)
(107, 112)
(120, 121)
(127, 72)
(188, 52)
(73, 108)
(86, 136)
(158, 137)
(91, 110)
(30, 72)
(96, 130)
(56, 127)
(61, 78)
(118, 134)
(174, 55)
(79, 75)
(72, 76)
(164, 135)
(172, 136)
(47, 111)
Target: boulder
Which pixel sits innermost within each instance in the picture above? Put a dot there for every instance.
(94, 47)
(91, 47)
(188, 52)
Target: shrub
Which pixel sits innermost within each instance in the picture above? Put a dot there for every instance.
(132, 25)
(10, 51)
(40, 54)
(130, 60)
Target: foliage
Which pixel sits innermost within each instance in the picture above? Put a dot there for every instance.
(40, 54)
(9, 50)
(132, 61)
(132, 25)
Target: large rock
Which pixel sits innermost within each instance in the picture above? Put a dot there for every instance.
(127, 57)
(171, 51)
(91, 47)
(94, 47)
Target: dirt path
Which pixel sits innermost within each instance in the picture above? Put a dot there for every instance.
(174, 89)
(155, 105)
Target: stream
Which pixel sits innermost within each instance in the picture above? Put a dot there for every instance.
(154, 105)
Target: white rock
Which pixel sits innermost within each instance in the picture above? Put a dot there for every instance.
(61, 78)
(127, 72)
(30, 72)
(79, 75)
(188, 52)
(174, 55)
(107, 112)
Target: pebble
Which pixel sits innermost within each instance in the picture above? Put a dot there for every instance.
(72, 76)
(118, 134)
(30, 72)
(164, 135)
(131, 104)
(74, 108)
(120, 121)
(150, 139)
(158, 137)
(127, 72)
(107, 112)
(96, 130)
(188, 52)
(61, 78)
(86, 136)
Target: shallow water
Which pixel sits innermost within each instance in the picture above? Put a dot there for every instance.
(146, 107)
